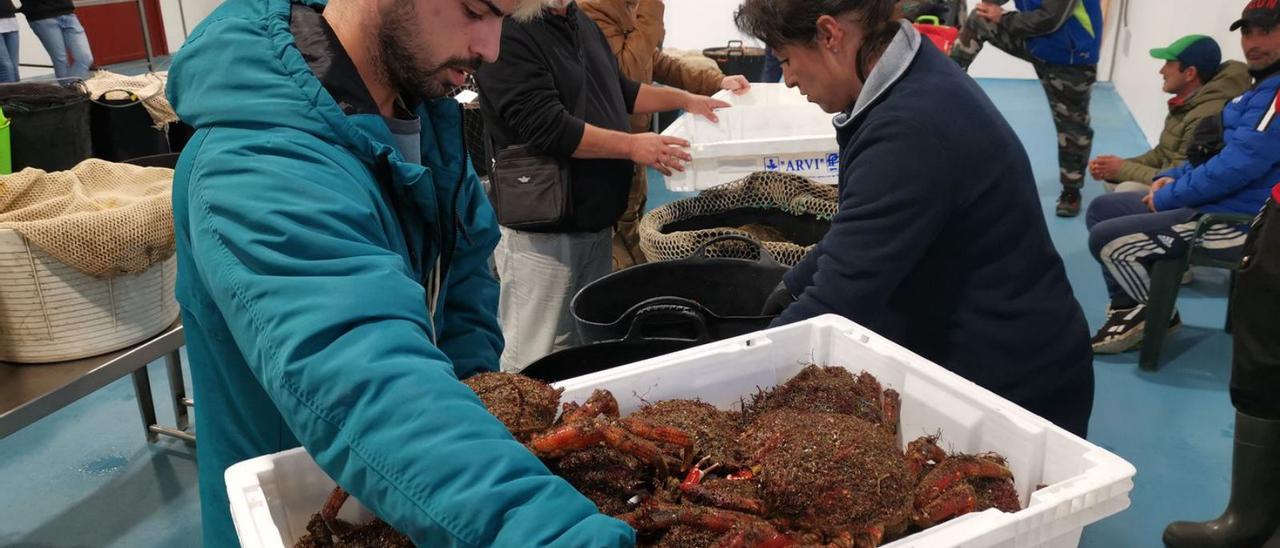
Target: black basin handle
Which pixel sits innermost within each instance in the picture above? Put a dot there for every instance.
(766, 258)
(668, 312)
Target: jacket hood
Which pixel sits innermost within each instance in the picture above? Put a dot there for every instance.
(1232, 80)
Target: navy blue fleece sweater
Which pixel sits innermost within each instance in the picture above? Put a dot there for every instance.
(940, 242)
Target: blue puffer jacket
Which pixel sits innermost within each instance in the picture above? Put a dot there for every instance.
(1077, 40)
(303, 241)
(1240, 177)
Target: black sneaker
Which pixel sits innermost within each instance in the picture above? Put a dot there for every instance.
(1069, 202)
(1124, 328)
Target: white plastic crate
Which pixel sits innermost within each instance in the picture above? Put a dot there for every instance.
(272, 497)
(770, 128)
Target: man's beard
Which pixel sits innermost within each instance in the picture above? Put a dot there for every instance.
(408, 74)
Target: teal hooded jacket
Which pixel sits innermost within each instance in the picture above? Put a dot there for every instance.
(334, 294)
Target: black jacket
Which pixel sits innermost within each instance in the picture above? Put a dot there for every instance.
(36, 10)
(531, 95)
(940, 244)
(6, 9)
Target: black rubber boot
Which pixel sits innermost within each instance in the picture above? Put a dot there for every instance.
(1254, 510)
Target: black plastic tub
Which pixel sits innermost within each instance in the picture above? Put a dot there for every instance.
(724, 296)
(634, 347)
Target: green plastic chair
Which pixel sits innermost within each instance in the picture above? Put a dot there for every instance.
(1166, 281)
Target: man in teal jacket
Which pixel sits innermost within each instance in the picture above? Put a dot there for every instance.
(333, 249)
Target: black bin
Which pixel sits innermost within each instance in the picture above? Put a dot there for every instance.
(179, 134)
(50, 125)
(591, 358)
(736, 60)
(123, 129)
(720, 296)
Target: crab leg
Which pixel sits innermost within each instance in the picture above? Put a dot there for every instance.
(721, 499)
(953, 470)
(957, 501)
(329, 512)
(922, 451)
(579, 435)
(892, 408)
(600, 403)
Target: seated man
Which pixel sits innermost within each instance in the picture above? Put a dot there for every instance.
(1128, 231)
(1201, 87)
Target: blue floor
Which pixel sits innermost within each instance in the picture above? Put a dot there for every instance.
(85, 477)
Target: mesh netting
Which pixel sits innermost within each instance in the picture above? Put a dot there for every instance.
(786, 213)
(101, 218)
(148, 88)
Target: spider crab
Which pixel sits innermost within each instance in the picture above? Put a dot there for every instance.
(823, 468)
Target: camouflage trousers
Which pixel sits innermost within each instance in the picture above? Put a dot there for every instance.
(1068, 87)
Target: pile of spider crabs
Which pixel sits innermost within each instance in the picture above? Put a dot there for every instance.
(815, 461)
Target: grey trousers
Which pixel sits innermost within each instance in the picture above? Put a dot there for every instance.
(538, 275)
(1127, 186)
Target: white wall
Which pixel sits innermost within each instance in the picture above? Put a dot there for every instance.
(698, 24)
(1157, 23)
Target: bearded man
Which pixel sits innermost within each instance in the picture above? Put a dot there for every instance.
(333, 248)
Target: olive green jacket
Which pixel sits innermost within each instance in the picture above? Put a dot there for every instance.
(1232, 80)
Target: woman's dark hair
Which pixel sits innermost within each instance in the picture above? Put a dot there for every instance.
(795, 22)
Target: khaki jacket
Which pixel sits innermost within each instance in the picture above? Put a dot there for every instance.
(635, 31)
(1232, 81)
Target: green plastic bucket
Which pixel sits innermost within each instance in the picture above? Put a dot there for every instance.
(6, 159)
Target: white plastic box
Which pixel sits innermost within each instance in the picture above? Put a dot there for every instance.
(770, 128)
(272, 497)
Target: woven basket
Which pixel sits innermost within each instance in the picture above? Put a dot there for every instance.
(50, 312)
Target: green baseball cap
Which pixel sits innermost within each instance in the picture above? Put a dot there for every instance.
(1196, 50)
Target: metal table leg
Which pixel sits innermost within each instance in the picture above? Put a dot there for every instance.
(177, 389)
(142, 388)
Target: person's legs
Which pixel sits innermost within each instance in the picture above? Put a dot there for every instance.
(1127, 238)
(1253, 512)
(1255, 373)
(772, 72)
(78, 44)
(978, 31)
(1131, 186)
(593, 259)
(1069, 89)
(8, 61)
(11, 43)
(536, 282)
(626, 235)
(50, 35)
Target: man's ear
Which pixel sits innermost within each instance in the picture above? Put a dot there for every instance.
(1193, 73)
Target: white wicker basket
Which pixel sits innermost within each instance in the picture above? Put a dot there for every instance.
(50, 312)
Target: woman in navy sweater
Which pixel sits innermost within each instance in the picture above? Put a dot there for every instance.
(939, 243)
